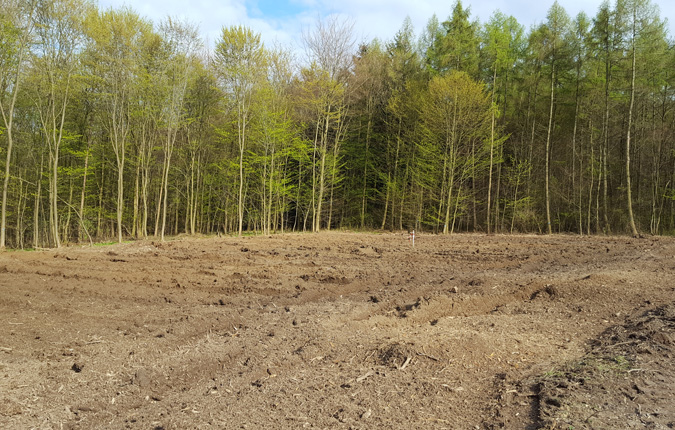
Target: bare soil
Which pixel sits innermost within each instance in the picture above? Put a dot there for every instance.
(341, 330)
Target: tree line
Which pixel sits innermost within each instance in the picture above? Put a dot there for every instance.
(117, 127)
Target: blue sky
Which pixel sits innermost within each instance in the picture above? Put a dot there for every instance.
(283, 21)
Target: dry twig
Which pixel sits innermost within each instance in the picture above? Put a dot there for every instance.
(428, 356)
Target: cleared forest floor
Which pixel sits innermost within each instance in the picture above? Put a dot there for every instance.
(341, 330)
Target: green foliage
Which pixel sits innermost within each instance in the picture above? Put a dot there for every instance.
(9, 35)
(125, 127)
(458, 48)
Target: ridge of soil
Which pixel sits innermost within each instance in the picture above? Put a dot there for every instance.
(625, 381)
(341, 330)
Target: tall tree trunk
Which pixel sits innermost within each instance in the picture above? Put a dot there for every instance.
(66, 225)
(100, 204)
(631, 218)
(365, 167)
(240, 202)
(574, 149)
(84, 189)
(605, 146)
(386, 202)
(135, 224)
(590, 190)
(323, 153)
(36, 209)
(548, 153)
(314, 187)
(165, 182)
(21, 210)
(8, 120)
(120, 129)
(395, 180)
(492, 146)
(53, 196)
(322, 188)
(450, 142)
(120, 199)
(158, 211)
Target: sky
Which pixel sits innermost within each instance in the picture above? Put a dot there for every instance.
(283, 21)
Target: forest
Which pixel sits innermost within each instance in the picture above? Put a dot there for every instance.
(115, 127)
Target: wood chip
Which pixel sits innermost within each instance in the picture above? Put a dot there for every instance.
(364, 377)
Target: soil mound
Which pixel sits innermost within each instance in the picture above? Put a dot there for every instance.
(625, 381)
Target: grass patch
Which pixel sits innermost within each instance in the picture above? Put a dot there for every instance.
(104, 243)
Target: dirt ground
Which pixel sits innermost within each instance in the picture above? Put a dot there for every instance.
(341, 330)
